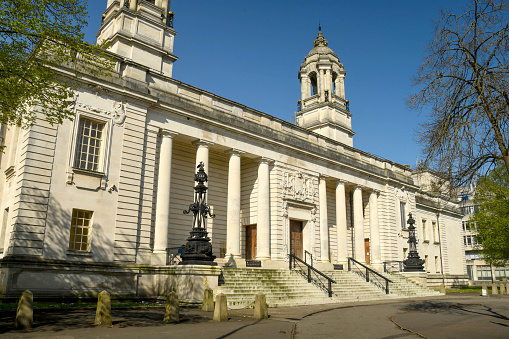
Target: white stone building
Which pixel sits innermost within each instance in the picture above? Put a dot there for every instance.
(96, 202)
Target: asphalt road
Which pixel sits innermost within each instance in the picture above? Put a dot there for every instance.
(451, 316)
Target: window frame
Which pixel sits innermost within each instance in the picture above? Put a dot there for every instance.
(72, 240)
(105, 143)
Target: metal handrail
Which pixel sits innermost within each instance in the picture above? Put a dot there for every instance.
(310, 269)
(393, 266)
(306, 253)
(371, 276)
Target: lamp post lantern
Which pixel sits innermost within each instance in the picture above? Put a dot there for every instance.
(198, 249)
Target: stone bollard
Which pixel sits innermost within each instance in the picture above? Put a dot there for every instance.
(208, 301)
(484, 291)
(261, 310)
(25, 313)
(221, 309)
(442, 289)
(103, 312)
(502, 288)
(494, 289)
(171, 314)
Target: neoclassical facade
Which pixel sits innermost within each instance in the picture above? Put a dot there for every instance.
(98, 201)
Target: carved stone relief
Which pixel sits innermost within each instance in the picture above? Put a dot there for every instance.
(117, 114)
(299, 186)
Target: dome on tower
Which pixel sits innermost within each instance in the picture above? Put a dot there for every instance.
(321, 46)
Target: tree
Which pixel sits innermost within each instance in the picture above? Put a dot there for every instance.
(36, 36)
(464, 88)
(492, 217)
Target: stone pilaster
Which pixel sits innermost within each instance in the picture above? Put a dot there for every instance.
(376, 254)
(358, 222)
(341, 223)
(324, 226)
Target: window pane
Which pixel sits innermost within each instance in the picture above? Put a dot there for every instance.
(89, 144)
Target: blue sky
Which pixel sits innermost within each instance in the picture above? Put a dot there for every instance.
(251, 51)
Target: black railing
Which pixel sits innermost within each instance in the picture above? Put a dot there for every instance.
(370, 275)
(306, 255)
(393, 266)
(312, 274)
(174, 255)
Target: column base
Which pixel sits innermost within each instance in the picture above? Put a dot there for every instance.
(158, 258)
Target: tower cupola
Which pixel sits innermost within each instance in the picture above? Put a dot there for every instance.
(323, 107)
(141, 31)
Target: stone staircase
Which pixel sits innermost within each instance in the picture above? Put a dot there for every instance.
(289, 288)
(404, 287)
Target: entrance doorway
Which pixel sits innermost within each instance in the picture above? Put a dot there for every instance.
(296, 238)
(366, 250)
(251, 242)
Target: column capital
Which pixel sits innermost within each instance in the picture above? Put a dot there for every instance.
(234, 151)
(202, 143)
(341, 181)
(323, 176)
(264, 160)
(375, 191)
(167, 133)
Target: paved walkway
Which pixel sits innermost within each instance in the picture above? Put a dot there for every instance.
(451, 316)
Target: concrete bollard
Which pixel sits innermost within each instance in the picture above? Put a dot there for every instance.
(261, 310)
(494, 289)
(171, 314)
(103, 312)
(502, 289)
(25, 312)
(484, 291)
(442, 289)
(208, 301)
(221, 309)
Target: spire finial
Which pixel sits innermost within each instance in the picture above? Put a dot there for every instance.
(320, 40)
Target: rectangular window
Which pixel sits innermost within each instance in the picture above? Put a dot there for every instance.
(403, 214)
(435, 231)
(426, 263)
(470, 272)
(484, 272)
(424, 233)
(437, 265)
(3, 230)
(79, 239)
(89, 143)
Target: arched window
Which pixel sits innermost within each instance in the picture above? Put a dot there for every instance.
(314, 88)
(334, 77)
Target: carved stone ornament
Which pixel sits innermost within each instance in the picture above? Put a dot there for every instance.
(299, 186)
(71, 102)
(117, 115)
(401, 194)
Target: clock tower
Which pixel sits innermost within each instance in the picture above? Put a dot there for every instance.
(323, 108)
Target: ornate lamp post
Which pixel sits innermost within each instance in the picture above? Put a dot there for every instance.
(198, 249)
(413, 263)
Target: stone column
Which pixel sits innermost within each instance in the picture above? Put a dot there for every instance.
(341, 223)
(324, 227)
(304, 84)
(358, 222)
(263, 213)
(233, 213)
(341, 86)
(162, 221)
(202, 154)
(376, 254)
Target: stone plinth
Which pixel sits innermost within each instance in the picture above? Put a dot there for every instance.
(208, 301)
(417, 277)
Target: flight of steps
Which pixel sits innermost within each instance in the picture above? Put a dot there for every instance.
(289, 288)
(404, 287)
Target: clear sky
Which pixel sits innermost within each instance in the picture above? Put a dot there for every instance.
(250, 52)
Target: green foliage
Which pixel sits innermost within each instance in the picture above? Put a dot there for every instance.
(35, 37)
(492, 218)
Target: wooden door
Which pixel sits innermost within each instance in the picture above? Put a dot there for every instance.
(366, 250)
(251, 242)
(296, 238)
